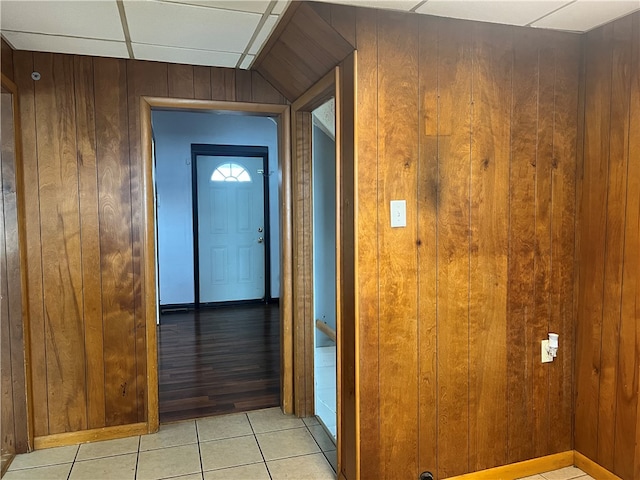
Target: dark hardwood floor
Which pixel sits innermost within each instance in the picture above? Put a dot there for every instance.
(218, 361)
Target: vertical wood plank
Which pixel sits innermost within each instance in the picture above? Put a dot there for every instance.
(243, 86)
(592, 216)
(90, 240)
(427, 211)
(343, 20)
(11, 249)
(367, 266)
(262, 91)
(563, 244)
(7, 413)
(26, 88)
(542, 241)
(7, 60)
(489, 217)
(626, 431)
(223, 84)
(143, 78)
(347, 327)
(454, 150)
(398, 154)
(116, 255)
(202, 83)
(60, 230)
(521, 311)
(180, 79)
(614, 239)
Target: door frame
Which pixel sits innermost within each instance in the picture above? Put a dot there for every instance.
(341, 83)
(281, 113)
(246, 151)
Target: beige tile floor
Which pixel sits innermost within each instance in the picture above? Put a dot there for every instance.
(567, 473)
(260, 445)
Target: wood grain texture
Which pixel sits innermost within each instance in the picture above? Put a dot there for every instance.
(90, 238)
(522, 343)
(427, 217)
(614, 240)
(489, 220)
(6, 59)
(592, 211)
(496, 124)
(348, 434)
(26, 87)
(542, 260)
(60, 230)
(397, 179)
(366, 234)
(454, 170)
(301, 51)
(628, 384)
(84, 232)
(563, 220)
(180, 80)
(607, 360)
(116, 239)
(143, 78)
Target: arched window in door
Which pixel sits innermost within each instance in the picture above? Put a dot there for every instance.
(230, 172)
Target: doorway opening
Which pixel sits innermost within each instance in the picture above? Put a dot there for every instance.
(216, 196)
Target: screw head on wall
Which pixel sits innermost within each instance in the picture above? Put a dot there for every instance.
(35, 76)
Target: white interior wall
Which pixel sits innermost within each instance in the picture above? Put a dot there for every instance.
(174, 133)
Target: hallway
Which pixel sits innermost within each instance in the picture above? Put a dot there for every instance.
(218, 361)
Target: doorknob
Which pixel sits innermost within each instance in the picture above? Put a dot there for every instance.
(260, 239)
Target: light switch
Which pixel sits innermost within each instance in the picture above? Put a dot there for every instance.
(398, 213)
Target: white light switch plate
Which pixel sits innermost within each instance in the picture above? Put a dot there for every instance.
(398, 213)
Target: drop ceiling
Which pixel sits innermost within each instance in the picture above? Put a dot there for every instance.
(231, 33)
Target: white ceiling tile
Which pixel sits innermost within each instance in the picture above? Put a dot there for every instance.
(72, 45)
(246, 63)
(585, 15)
(254, 6)
(265, 32)
(511, 12)
(187, 26)
(184, 55)
(280, 6)
(91, 19)
(404, 5)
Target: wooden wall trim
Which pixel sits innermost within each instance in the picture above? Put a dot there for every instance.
(521, 469)
(92, 435)
(282, 112)
(592, 468)
(23, 424)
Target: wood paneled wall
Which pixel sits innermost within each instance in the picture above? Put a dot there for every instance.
(607, 420)
(82, 162)
(302, 50)
(475, 126)
(6, 59)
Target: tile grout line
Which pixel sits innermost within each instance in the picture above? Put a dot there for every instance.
(135, 472)
(324, 454)
(255, 437)
(195, 421)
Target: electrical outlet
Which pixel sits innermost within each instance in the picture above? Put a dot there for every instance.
(546, 358)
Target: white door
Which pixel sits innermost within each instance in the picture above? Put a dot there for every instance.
(231, 230)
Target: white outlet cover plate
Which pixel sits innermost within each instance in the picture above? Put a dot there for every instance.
(546, 358)
(398, 213)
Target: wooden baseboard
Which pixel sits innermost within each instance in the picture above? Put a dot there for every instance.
(521, 469)
(94, 435)
(592, 468)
